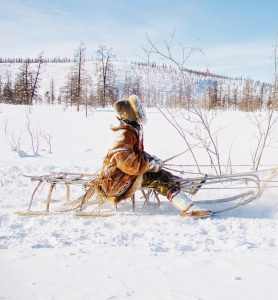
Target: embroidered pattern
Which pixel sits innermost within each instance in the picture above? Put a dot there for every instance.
(123, 189)
(173, 192)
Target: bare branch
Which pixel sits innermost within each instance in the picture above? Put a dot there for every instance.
(33, 133)
(47, 137)
(15, 142)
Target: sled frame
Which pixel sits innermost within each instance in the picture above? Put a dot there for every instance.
(68, 178)
(189, 185)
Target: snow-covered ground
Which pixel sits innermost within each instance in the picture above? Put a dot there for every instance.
(152, 256)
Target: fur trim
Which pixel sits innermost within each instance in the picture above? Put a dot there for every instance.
(125, 111)
(131, 109)
(138, 108)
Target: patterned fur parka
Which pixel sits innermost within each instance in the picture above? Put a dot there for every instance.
(124, 164)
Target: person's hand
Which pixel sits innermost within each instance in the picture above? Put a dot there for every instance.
(155, 164)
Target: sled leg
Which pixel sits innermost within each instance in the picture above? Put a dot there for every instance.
(147, 197)
(156, 196)
(144, 194)
(68, 192)
(31, 201)
(49, 196)
(133, 202)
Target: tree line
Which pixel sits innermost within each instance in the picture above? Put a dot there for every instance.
(78, 89)
(156, 84)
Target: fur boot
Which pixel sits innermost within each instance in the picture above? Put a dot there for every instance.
(184, 204)
(179, 199)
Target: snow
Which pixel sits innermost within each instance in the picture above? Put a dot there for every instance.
(153, 255)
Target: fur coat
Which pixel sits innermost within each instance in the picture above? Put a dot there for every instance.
(124, 165)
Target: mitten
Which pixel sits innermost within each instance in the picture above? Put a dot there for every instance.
(155, 164)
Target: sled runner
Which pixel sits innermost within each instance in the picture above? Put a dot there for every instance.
(247, 184)
(239, 181)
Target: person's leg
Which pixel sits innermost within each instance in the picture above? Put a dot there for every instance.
(166, 184)
(179, 199)
(184, 204)
(161, 181)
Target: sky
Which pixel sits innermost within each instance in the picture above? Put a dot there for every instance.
(236, 37)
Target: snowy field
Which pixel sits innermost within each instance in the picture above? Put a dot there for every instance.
(152, 256)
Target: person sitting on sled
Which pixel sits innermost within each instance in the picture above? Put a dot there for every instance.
(127, 167)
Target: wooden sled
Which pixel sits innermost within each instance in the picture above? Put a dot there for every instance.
(191, 186)
(68, 179)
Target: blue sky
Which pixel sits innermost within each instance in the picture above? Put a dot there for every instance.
(235, 36)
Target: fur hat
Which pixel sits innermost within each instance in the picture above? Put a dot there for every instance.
(131, 109)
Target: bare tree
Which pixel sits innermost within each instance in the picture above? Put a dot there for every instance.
(107, 88)
(266, 126)
(166, 54)
(68, 91)
(47, 137)
(15, 142)
(131, 86)
(147, 59)
(33, 133)
(208, 140)
(50, 94)
(36, 80)
(79, 59)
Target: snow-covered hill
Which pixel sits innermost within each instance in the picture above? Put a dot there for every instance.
(162, 81)
(157, 256)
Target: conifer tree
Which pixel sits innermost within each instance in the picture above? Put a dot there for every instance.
(27, 82)
(24, 84)
(73, 93)
(7, 95)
